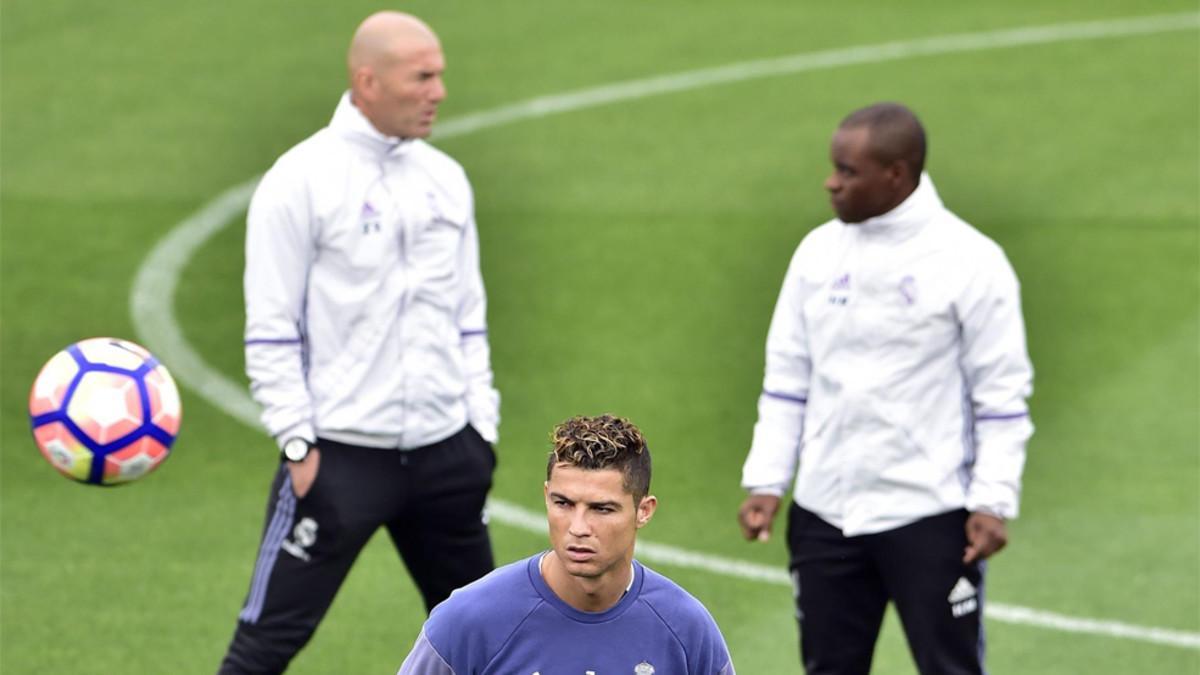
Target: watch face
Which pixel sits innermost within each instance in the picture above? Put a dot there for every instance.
(295, 450)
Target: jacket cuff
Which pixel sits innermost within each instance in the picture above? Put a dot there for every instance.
(996, 501)
(773, 490)
(303, 430)
(483, 413)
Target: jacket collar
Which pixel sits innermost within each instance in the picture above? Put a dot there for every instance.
(904, 220)
(349, 122)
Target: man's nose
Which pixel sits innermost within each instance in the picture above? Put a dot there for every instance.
(832, 183)
(579, 526)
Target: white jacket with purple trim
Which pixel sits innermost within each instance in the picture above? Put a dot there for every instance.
(896, 373)
(365, 306)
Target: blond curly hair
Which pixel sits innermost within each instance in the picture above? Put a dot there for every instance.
(603, 442)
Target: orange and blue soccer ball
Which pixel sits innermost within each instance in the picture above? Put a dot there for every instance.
(104, 411)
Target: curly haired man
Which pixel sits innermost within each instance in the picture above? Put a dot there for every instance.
(584, 605)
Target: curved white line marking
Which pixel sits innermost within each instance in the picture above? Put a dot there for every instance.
(152, 298)
(152, 303)
(833, 58)
(516, 516)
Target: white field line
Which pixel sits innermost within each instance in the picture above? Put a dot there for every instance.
(152, 297)
(663, 554)
(833, 58)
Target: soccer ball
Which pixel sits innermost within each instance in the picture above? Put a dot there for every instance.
(104, 411)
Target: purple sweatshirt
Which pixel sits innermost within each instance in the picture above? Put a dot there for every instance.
(511, 623)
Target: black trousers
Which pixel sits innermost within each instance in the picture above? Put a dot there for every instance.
(843, 585)
(430, 500)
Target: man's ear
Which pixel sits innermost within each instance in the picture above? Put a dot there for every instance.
(645, 510)
(898, 173)
(363, 84)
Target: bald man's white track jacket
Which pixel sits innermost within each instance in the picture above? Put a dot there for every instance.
(365, 307)
(896, 373)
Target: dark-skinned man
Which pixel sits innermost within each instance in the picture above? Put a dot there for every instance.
(894, 406)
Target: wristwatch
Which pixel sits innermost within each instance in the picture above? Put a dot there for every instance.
(296, 449)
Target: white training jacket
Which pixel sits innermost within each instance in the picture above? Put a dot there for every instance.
(896, 373)
(365, 306)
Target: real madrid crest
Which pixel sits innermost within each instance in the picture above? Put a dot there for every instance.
(643, 668)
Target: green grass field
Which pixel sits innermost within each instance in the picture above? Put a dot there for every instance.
(632, 251)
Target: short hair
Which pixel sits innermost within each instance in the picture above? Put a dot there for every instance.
(896, 135)
(603, 442)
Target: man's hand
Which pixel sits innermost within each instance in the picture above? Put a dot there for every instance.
(986, 535)
(756, 514)
(304, 473)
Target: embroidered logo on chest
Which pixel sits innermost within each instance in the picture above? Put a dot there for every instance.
(370, 217)
(438, 217)
(908, 289)
(840, 290)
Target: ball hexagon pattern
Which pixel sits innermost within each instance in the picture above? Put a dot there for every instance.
(104, 411)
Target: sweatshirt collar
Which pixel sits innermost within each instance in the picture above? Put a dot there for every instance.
(908, 217)
(627, 600)
(349, 121)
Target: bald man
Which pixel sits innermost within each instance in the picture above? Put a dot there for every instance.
(366, 345)
(894, 406)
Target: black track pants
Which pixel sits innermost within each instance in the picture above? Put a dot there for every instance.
(430, 500)
(843, 585)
